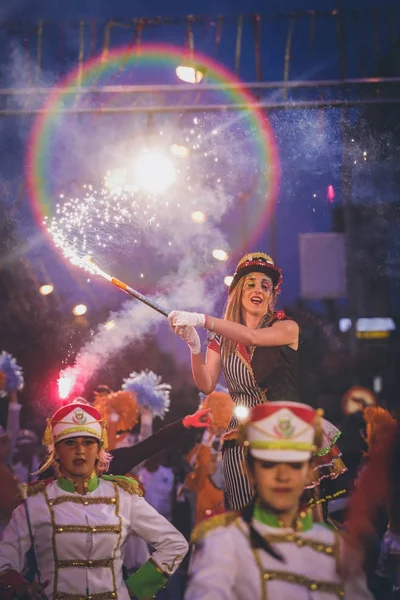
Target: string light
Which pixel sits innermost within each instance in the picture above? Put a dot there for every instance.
(46, 289)
(79, 310)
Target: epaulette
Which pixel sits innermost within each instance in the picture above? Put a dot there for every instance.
(33, 489)
(37, 486)
(128, 484)
(212, 523)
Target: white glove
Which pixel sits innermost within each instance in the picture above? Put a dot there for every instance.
(190, 336)
(181, 317)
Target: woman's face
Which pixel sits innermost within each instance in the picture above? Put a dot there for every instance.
(280, 485)
(257, 294)
(78, 456)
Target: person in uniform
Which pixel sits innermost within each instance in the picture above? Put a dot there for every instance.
(272, 549)
(78, 523)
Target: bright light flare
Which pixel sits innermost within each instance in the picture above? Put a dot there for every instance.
(219, 254)
(65, 385)
(198, 216)
(180, 151)
(154, 172)
(189, 74)
(228, 280)
(79, 310)
(241, 412)
(115, 180)
(330, 193)
(46, 289)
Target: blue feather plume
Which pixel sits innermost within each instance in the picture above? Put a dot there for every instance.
(14, 379)
(150, 392)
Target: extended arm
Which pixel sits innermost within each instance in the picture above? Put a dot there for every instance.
(125, 459)
(281, 333)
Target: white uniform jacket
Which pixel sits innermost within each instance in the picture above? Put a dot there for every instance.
(80, 539)
(225, 567)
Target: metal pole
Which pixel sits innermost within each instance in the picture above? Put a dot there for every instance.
(201, 107)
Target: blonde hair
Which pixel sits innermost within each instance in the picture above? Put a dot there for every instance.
(233, 312)
(102, 464)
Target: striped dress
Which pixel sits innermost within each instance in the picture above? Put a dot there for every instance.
(268, 374)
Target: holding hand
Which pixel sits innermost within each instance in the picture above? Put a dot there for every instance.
(200, 419)
(179, 318)
(190, 336)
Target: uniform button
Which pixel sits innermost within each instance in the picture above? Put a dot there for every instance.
(329, 550)
(313, 586)
(90, 563)
(113, 595)
(51, 502)
(94, 529)
(320, 547)
(266, 576)
(60, 529)
(113, 501)
(86, 502)
(299, 543)
(290, 538)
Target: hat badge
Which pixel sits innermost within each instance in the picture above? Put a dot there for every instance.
(284, 427)
(79, 416)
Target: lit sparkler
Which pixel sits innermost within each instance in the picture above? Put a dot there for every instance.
(96, 270)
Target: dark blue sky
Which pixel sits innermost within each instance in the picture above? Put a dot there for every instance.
(309, 142)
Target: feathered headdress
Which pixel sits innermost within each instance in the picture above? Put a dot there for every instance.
(150, 392)
(11, 377)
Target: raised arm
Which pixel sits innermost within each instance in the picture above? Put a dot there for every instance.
(125, 459)
(281, 333)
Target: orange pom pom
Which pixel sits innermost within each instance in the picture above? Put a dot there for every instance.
(221, 406)
(121, 403)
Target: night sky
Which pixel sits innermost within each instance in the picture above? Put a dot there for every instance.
(309, 140)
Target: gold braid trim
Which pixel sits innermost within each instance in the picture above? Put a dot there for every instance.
(300, 542)
(312, 502)
(313, 585)
(85, 500)
(85, 564)
(36, 488)
(99, 596)
(126, 483)
(88, 529)
(208, 525)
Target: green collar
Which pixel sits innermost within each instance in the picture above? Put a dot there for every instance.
(267, 517)
(67, 485)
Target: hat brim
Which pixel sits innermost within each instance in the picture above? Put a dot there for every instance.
(280, 456)
(76, 434)
(270, 270)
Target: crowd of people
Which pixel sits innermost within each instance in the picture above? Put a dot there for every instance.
(223, 504)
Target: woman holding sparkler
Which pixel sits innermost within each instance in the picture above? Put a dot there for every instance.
(256, 348)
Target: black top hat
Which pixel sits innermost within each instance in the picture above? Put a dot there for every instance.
(257, 262)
